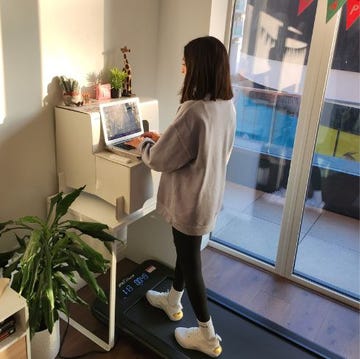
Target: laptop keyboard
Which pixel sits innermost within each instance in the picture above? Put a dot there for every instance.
(124, 146)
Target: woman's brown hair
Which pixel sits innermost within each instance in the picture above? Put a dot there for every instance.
(207, 70)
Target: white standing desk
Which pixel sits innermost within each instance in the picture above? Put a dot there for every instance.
(88, 207)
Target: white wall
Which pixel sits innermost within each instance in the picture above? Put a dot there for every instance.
(27, 158)
(88, 39)
(71, 40)
(221, 12)
(179, 22)
(135, 24)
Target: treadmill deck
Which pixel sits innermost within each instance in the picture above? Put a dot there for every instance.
(244, 333)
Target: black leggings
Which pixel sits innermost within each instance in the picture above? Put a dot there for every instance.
(315, 177)
(188, 272)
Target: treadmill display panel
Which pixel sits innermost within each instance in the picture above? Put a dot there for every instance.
(136, 282)
(130, 284)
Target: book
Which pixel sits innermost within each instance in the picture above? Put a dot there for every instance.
(8, 319)
(7, 332)
(6, 324)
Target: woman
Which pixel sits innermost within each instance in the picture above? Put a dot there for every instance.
(192, 155)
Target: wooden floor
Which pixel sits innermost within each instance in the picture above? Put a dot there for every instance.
(324, 321)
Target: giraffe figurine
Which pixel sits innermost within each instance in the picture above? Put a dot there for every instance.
(127, 83)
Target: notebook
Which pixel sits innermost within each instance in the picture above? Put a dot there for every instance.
(121, 121)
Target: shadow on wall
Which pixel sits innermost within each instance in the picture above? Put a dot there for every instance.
(54, 94)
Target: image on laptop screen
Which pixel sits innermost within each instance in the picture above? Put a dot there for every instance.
(121, 120)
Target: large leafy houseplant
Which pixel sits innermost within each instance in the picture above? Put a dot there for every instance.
(50, 253)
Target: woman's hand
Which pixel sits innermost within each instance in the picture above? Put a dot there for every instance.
(135, 142)
(153, 135)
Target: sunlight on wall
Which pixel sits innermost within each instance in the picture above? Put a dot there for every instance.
(72, 42)
(2, 87)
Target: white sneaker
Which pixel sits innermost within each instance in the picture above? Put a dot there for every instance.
(311, 202)
(160, 300)
(316, 200)
(192, 338)
(281, 192)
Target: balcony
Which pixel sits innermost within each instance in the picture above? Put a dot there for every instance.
(328, 247)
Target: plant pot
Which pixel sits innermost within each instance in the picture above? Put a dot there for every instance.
(72, 98)
(45, 345)
(115, 93)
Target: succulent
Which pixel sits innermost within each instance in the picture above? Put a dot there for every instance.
(69, 85)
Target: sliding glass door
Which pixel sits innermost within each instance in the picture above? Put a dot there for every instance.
(268, 57)
(328, 251)
(294, 149)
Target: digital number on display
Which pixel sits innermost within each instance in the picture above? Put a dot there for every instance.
(134, 283)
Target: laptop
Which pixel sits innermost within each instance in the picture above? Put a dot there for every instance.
(121, 121)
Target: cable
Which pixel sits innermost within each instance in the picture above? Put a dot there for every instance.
(59, 356)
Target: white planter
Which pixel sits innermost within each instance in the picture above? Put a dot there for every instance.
(45, 345)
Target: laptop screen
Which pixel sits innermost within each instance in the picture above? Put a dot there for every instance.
(121, 120)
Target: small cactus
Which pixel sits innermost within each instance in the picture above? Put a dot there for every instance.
(71, 89)
(69, 85)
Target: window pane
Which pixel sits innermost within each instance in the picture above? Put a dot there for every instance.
(328, 251)
(268, 58)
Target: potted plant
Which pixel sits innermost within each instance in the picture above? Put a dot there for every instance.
(71, 91)
(50, 254)
(117, 78)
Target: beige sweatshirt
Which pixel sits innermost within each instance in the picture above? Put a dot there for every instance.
(192, 155)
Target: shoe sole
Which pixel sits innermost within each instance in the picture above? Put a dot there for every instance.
(173, 317)
(213, 353)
